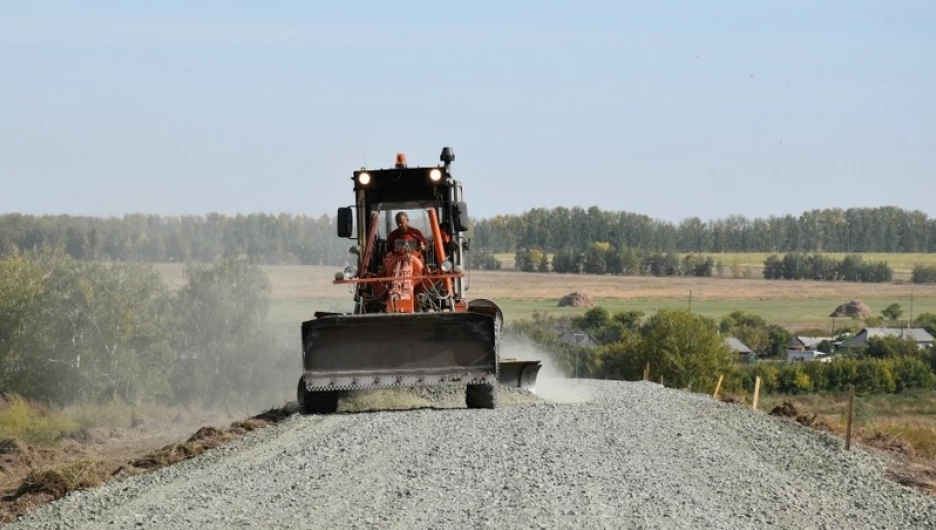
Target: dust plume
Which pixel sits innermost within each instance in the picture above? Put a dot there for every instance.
(551, 383)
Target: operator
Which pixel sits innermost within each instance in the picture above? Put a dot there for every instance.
(405, 231)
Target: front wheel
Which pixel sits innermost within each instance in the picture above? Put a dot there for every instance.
(322, 402)
(480, 396)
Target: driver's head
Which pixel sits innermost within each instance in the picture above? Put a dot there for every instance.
(402, 220)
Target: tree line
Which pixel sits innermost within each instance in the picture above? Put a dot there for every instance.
(802, 266)
(602, 258)
(883, 229)
(299, 239)
(262, 238)
(82, 331)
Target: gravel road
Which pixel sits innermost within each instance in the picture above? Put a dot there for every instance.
(609, 455)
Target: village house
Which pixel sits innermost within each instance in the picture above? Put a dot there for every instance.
(744, 353)
(920, 335)
(799, 343)
(808, 355)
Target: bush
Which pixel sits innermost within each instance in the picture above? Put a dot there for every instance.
(870, 376)
(484, 260)
(923, 274)
(32, 423)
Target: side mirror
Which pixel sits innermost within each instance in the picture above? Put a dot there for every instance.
(345, 222)
(461, 220)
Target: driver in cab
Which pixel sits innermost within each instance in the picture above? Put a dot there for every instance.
(405, 232)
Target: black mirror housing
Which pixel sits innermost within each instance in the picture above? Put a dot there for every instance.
(345, 222)
(461, 220)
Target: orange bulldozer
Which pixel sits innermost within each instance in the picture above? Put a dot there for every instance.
(411, 324)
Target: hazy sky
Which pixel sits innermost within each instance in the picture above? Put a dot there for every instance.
(673, 109)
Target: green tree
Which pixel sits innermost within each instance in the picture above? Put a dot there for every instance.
(222, 310)
(891, 347)
(567, 260)
(683, 348)
(926, 321)
(596, 258)
(630, 319)
(892, 312)
(543, 264)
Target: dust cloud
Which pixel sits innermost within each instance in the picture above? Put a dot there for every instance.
(551, 383)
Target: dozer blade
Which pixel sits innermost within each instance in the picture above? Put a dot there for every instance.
(343, 352)
(519, 374)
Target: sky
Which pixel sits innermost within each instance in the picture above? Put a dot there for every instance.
(670, 109)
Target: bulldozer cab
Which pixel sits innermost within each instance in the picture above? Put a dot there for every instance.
(418, 216)
(432, 199)
(411, 324)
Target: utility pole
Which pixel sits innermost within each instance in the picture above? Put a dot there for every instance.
(911, 304)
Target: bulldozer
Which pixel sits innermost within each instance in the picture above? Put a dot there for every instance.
(411, 323)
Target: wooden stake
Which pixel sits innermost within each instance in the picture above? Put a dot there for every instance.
(756, 392)
(718, 386)
(851, 415)
(647, 372)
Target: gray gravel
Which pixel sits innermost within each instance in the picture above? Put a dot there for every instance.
(610, 455)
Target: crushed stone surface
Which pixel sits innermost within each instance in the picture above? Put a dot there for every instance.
(583, 454)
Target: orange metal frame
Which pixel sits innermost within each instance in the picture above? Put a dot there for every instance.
(440, 257)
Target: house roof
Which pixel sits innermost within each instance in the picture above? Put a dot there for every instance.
(737, 345)
(917, 334)
(809, 342)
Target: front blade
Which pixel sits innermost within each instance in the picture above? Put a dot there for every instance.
(519, 374)
(385, 350)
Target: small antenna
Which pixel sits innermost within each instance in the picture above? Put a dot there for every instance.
(364, 158)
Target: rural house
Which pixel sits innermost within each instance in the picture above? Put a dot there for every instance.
(808, 355)
(744, 353)
(923, 339)
(806, 343)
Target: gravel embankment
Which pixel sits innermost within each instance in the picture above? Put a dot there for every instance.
(631, 455)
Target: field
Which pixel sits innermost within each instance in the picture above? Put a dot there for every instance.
(909, 417)
(299, 291)
(902, 264)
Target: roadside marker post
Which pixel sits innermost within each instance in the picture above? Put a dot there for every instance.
(851, 415)
(756, 392)
(718, 386)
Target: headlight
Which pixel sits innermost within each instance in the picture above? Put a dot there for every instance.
(350, 272)
(446, 266)
(363, 179)
(435, 175)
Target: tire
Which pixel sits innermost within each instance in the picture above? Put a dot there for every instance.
(480, 396)
(323, 402)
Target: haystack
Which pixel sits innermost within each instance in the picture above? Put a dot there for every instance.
(853, 309)
(576, 300)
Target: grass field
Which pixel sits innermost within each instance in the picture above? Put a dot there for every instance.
(799, 314)
(902, 264)
(910, 417)
(299, 291)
